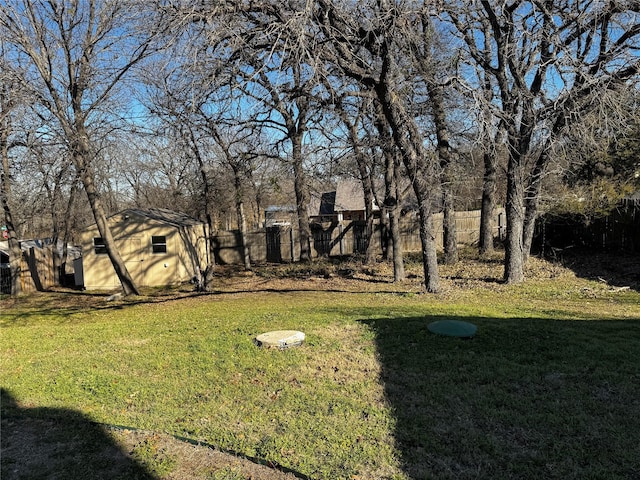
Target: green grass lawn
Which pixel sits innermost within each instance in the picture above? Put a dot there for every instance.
(549, 387)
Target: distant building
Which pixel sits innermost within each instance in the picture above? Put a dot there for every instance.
(280, 215)
(345, 203)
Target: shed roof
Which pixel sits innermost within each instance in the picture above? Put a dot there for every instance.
(177, 219)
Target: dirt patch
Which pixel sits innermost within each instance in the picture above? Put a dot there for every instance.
(187, 461)
(66, 447)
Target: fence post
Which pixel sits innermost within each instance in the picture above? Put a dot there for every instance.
(293, 244)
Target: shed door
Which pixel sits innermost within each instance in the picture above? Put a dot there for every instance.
(134, 259)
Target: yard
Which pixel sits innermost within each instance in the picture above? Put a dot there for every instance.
(549, 387)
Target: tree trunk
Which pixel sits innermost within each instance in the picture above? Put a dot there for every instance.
(514, 248)
(57, 257)
(533, 195)
(429, 245)
(206, 277)
(450, 239)
(87, 177)
(519, 143)
(367, 187)
(446, 178)
(385, 235)
(302, 198)
(394, 249)
(488, 204)
(15, 253)
(420, 172)
(396, 239)
(392, 208)
(242, 222)
(66, 226)
(242, 225)
(370, 254)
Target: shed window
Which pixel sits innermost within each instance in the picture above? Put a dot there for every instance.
(98, 246)
(159, 244)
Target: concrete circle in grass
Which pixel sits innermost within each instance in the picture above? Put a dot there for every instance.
(280, 339)
(453, 328)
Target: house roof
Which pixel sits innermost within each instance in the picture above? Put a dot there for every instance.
(177, 219)
(327, 205)
(348, 196)
(72, 251)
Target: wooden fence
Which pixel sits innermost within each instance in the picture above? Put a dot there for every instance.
(277, 244)
(281, 244)
(619, 230)
(37, 273)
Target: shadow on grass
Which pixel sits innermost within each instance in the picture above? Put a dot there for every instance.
(43, 443)
(617, 269)
(524, 398)
(63, 306)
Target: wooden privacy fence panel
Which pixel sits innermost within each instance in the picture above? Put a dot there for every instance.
(618, 231)
(281, 243)
(226, 247)
(467, 229)
(38, 274)
(36, 271)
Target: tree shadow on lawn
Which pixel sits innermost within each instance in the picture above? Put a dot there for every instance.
(43, 443)
(524, 398)
(617, 269)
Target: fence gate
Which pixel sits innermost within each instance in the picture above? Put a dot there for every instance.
(274, 239)
(322, 239)
(359, 237)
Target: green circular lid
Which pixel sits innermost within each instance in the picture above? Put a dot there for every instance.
(453, 328)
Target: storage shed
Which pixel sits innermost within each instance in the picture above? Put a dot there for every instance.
(159, 247)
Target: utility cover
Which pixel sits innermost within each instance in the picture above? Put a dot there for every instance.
(453, 328)
(280, 339)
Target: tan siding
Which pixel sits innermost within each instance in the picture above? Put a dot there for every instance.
(186, 252)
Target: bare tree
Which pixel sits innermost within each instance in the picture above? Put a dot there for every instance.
(352, 111)
(546, 62)
(285, 90)
(365, 42)
(427, 47)
(52, 165)
(9, 101)
(261, 49)
(78, 55)
(392, 195)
